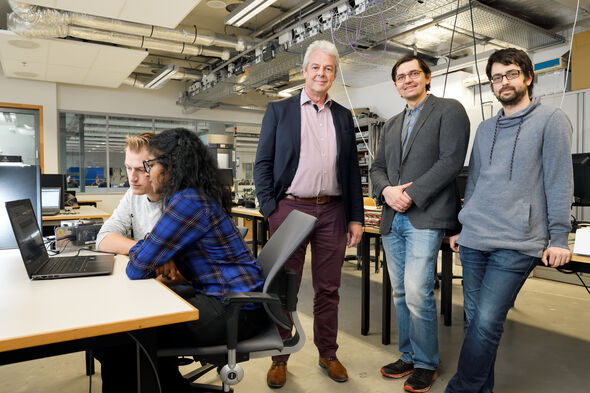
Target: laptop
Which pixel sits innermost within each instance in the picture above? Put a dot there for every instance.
(50, 200)
(32, 249)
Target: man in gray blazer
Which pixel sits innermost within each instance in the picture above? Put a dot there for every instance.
(421, 151)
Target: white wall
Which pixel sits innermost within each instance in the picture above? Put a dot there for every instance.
(124, 100)
(17, 91)
(143, 102)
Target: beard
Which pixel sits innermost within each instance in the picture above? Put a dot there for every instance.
(512, 99)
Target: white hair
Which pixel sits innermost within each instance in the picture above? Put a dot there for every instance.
(324, 46)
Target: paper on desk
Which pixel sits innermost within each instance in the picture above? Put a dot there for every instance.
(582, 243)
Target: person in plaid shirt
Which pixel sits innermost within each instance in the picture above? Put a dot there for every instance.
(195, 239)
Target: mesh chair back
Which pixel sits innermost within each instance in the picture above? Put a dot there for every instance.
(277, 251)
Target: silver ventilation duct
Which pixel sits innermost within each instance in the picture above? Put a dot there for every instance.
(34, 21)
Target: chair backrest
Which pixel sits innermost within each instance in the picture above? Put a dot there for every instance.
(277, 251)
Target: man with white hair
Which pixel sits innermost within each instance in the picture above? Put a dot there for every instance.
(307, 161)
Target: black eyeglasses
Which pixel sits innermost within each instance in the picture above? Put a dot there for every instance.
(147, 166)
(412, 74)
(510, 75)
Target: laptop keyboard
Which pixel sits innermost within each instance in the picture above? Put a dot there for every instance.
(68, 264)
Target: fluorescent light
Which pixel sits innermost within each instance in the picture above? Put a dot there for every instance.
(289, 91)
(246, 11)
(162, 77)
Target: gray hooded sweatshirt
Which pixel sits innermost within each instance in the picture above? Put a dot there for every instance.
(520, 182)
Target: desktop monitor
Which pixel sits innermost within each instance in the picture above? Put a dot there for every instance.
(56, 180)
(581, 166)
(461, 181)
(226, 177)
(17, 181)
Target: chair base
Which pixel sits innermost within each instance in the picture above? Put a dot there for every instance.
(198, 373)
(201, 388)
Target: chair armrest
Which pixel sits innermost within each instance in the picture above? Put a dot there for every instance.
(233, 304)
(242, 298)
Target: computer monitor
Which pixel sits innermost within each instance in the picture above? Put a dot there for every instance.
(581, 166)
(55, 180)
(461, 181)
(17, 181)
(226, 176)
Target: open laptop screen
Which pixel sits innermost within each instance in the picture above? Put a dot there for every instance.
(27, 234)
(50, 197)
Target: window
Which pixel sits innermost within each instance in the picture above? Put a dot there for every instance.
(94, 147)
(20, 132)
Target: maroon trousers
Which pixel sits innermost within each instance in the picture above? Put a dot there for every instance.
(328, 246)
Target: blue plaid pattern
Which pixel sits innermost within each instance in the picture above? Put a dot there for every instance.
(204, 243)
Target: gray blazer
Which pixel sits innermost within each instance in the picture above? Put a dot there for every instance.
(434, 156)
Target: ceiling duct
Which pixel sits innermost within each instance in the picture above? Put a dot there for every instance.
(34, 21)
(25, 29)
(358, 32)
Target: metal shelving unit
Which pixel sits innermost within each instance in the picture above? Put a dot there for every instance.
(368, 135)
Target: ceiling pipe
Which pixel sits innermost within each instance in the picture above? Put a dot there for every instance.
(284, 17)
(33, 14)
(41, 30)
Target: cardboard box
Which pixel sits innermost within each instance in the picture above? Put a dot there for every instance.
(581, 61)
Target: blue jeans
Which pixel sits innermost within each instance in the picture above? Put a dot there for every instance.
(491, 281)
(411, 260)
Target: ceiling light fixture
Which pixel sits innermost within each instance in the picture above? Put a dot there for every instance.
(288, 92)
(216, 3)
(162, 77)
(246, 11)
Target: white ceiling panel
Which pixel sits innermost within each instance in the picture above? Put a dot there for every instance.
(108, 59)
(66, 61)
(151, 12)
(66, 74)
(30, 70)
(61, 54)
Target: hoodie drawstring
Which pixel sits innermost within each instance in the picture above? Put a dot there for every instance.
(513, 147)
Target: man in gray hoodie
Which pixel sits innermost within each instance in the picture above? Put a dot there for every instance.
(518, 192)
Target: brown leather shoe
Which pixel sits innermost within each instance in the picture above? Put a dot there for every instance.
(277, 375)
(335, 369)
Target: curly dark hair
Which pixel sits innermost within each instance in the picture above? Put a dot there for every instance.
(513, 56)
(188, 164)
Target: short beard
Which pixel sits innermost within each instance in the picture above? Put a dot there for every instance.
(509, 101)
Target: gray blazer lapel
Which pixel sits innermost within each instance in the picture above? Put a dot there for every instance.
(424, 113)
(396, 138)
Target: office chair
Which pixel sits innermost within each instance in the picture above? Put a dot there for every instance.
(279, 299)
(367, 201)
(89, 358)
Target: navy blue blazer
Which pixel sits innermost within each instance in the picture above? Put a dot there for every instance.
(278, 151)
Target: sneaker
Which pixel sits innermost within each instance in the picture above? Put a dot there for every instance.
(420, 381)
(398, 369)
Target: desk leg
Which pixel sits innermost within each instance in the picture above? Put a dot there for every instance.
(255, 236)
(89, 362)
(365, 284)
(146, 379)
(446, 293)
(264, 231)
(385, 305)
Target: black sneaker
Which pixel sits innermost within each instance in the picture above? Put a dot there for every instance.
(398, 369)
(420, 381)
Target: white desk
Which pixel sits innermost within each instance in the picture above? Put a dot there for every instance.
(41, 313)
